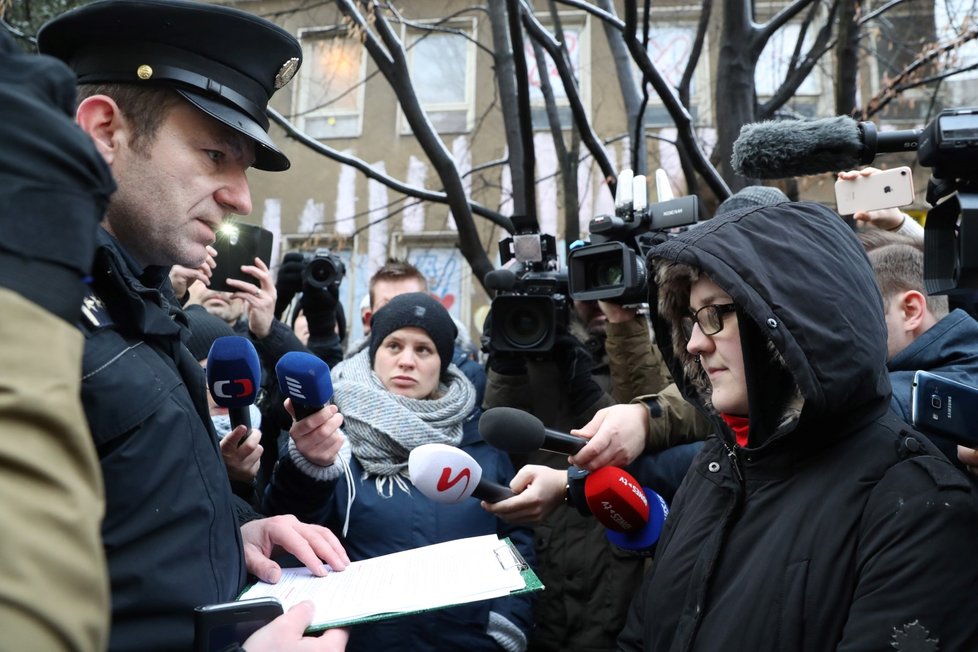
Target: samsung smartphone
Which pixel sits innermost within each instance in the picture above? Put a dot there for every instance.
(946, 407)
(883, 189)
(218, 626)
(237, 245)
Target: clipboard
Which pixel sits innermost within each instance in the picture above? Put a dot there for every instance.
(488, 567)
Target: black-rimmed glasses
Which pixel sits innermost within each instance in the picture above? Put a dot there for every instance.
(710, 319)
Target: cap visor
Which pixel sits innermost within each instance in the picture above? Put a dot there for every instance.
(267, 155)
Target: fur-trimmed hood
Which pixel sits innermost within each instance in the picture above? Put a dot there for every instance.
(810, 311)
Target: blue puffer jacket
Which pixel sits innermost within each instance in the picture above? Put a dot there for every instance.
(381, 525)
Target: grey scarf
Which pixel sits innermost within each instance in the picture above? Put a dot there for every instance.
(383, 428)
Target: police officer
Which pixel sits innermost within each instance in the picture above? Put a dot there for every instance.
(173, 94)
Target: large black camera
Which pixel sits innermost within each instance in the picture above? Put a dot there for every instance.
(322, 269)
(612, 267)
(531, 300)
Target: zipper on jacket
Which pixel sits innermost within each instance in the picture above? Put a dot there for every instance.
(734, 462)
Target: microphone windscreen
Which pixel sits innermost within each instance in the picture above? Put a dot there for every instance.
(233, 371)
(500, 279)
(443, 473)
(616, 499)
(512, 430)
(645, 538)
(779, 149)
(304, 378)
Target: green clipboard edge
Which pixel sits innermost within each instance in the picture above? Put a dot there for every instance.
(533, 583)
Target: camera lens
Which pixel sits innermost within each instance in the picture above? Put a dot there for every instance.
(607, 273)
(525, 326)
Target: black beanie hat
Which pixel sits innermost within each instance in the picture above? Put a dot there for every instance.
(204, 329)
(422, 311)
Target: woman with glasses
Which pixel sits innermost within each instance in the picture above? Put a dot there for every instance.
(813, 519)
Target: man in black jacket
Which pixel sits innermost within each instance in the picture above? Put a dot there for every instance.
(174, 96)
(815, 519)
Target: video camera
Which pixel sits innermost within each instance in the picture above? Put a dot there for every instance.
(949, 147)
(612, 267)
(531, 299)
(322, 268)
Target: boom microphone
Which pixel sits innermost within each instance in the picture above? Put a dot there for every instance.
(779, 149)
(516, 431)
(304, 378)
(449, 475)
(233, 376)
(616, 499)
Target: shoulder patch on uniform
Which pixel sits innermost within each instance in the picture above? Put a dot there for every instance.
(913, 637)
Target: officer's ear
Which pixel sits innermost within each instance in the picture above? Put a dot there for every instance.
(100, 117)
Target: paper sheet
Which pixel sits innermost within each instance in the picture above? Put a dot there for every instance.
(439, 575)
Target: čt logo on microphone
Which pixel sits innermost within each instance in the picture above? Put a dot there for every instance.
(446, 481)
(233, 388)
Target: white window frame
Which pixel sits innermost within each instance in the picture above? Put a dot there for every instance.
(301, 89)
(467, 105)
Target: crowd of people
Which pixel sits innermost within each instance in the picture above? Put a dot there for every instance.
(763, 392)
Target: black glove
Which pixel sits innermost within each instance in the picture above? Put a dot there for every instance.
(319, 307)
(288, 281)
(54, 185)
(575, 363)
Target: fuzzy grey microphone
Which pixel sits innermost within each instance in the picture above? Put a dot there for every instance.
(779, 149)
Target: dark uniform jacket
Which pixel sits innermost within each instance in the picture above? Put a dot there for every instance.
(837, 527)
(170, 531)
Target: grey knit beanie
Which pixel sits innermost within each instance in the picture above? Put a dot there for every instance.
(751, 197)
(422, 311)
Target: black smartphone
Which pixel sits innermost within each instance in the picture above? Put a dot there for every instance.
(237, 245)
(217, 626)
(946, 407)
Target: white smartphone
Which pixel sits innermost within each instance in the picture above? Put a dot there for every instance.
(873, 192)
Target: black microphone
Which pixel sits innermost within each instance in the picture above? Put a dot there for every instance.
(780, 149)
(234, 376)
(516, 431)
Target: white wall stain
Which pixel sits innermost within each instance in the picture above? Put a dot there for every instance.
(271, 219)
(546, 171)
(414, 210)
(377, 243)
(343, 221)
(312, 217)
(462, 154)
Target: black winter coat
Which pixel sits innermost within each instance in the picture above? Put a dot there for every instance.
(837, 527)
(170, 531)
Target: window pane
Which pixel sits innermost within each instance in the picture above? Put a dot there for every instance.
(331, 74)
(772, 67)
(572, 36)
(438, 63)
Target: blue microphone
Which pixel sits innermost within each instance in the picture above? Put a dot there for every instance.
(233, 376)
(304, 378)
(644, 540)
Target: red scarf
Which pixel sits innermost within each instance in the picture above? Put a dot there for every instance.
(740, 427)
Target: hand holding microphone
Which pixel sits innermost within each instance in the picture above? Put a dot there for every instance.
(447, 474)
(304, 378)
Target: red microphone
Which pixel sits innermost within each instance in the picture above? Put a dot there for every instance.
(616, 499)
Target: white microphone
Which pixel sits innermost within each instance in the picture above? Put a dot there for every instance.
(449, 475)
